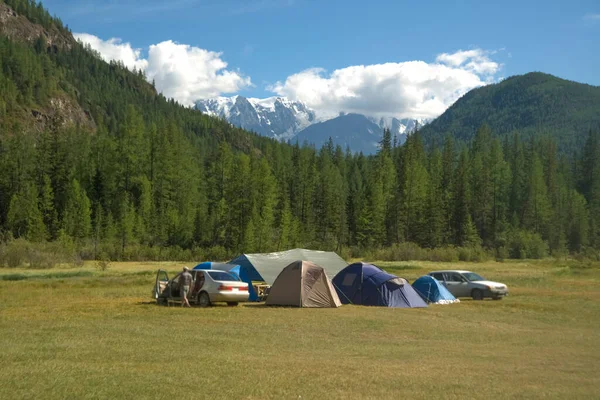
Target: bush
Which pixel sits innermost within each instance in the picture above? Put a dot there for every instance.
(401, 252)
(588, 254)
(103, 262)
(502, 253)
(216, 253)
(524, 244)
(472, 254)
(444, 254)
(21, 253)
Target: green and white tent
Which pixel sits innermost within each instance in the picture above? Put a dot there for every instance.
(269, 265)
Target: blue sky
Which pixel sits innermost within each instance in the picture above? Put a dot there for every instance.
(269, 41)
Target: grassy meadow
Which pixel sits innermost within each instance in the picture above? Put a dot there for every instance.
(86, 333)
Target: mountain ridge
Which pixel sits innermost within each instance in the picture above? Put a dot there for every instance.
(530, 103)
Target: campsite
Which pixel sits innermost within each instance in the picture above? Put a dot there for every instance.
(88, 333)
(290, 199)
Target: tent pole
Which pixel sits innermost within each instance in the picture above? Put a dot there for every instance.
(338, 289)
(301, 281)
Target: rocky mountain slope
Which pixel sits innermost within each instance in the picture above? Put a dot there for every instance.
(59, 108)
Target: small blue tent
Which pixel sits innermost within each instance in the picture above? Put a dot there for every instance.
(365, 284)
(433, 291)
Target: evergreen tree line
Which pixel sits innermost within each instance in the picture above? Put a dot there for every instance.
(149, 186)
(153, 175)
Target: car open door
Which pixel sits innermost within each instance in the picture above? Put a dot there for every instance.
(162, 280)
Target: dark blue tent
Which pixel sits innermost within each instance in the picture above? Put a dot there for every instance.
(365, 284)
(433, 291)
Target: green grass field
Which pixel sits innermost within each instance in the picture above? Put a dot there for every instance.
(85, 333)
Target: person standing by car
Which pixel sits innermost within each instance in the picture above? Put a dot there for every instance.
(185, 280)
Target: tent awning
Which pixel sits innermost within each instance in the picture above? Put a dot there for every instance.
(269, 265)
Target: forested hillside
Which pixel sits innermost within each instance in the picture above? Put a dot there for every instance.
(531, 104)
(91, 157)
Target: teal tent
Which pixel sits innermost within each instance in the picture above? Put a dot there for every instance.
(433, 291)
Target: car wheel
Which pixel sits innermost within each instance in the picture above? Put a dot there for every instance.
(203, 300)
(477, 294)
(497, 298)
(232, 303)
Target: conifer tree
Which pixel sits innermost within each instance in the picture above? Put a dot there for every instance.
(24, 217)
(537, 206)
(413, 193)
(436, 219)
(463, 224)
(76, 217)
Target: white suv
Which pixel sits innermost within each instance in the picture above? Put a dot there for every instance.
(469, 284)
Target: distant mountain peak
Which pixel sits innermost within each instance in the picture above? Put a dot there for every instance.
(276, 117)
(284, 119)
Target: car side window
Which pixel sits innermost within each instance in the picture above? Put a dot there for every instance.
(439, 277)
(200, 280)
(456, 278)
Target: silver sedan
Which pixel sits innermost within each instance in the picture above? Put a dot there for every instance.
(208, 287)
(468, 284)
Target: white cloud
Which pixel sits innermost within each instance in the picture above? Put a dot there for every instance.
(476, 60)
(188, 73)
(180, 71)
(114, 49)
(591, 18)
(405, 90)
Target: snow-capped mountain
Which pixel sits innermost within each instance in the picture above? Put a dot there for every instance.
(275, 117)
(400, 127)
(284, 119)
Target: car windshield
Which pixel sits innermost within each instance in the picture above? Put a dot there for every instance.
(472, 276)
(222, 276)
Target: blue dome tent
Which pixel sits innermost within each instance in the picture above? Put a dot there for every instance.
(365, 284)
(213, 265)
(433, 291)
(250, 275)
